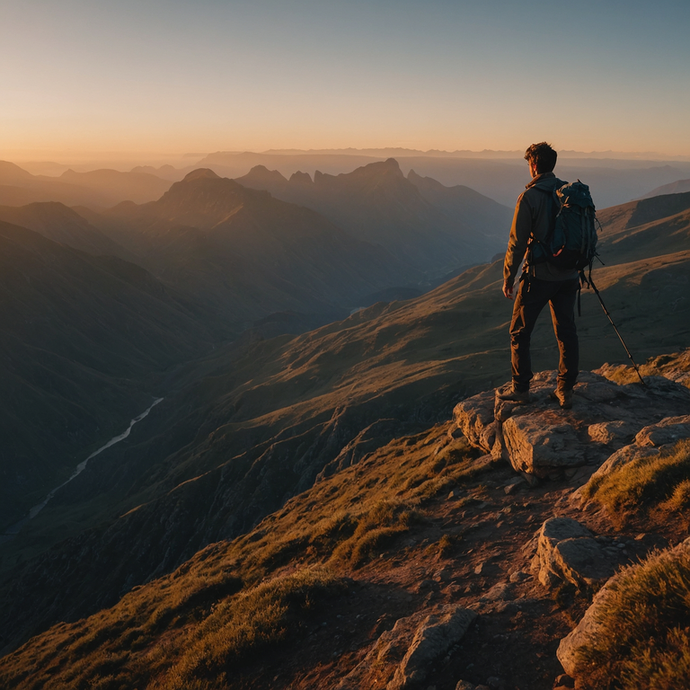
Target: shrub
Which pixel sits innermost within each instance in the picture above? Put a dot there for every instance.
(659, 482)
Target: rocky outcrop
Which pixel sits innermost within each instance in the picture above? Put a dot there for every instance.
(406, 653)
(541, 439)
(569, 552)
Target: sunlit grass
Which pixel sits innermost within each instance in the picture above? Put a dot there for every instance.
(658, 484)
(644, 639)
(202, 625)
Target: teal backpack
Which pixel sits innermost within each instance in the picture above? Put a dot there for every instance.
(572, 244)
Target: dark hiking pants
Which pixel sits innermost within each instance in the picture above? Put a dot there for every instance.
(532, 296)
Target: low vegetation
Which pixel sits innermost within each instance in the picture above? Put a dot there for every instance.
(675, 366)
(655, 487)
(644, 638)
(203, 626)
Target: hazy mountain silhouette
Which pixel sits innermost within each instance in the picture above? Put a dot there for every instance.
(96, 189)
(378, 204)
(165, 172)
(84, 343)
(248, 254)
(139, 187)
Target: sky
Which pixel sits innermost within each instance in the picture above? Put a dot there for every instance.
(78, 77)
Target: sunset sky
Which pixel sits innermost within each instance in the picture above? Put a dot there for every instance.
(80, 77)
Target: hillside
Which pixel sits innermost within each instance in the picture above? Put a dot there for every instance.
(419, 563)
(257, 424)
(677, 187)
(85, 343)
(263, 420)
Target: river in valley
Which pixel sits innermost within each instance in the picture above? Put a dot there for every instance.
(14, 529)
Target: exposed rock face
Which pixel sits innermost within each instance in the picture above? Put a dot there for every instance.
(568, 552)
(668, 430)
(405, 653)
(540, 438)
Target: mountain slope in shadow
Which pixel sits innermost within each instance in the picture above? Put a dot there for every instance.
(248, 255)
(63, 225)
(261, 424)
(85, 342)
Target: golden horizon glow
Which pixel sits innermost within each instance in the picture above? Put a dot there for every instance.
(150, 81)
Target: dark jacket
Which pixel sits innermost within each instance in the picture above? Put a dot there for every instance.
(535, 213)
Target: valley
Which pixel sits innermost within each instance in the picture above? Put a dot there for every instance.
(278, 448)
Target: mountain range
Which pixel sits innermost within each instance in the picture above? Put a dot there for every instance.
(613, 180)
(90, 301)
(254, 424)
(424, 224)
(96, 189)
(247, 254)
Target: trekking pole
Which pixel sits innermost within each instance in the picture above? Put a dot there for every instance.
(620, 337)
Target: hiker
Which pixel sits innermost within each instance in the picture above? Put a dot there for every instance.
(540, 282)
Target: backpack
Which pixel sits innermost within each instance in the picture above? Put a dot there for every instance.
(572, 242)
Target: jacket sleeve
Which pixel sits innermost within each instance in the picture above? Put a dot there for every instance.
(520, 232)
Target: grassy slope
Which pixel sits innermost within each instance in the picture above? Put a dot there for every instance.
(406, 360)
(236, 445)
(161, 632)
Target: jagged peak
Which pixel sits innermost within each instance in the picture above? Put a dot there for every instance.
(263, 174)
(300, 177)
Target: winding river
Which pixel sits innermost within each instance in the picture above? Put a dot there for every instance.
(13, 530)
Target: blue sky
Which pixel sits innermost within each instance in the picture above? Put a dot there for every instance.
(172, 76)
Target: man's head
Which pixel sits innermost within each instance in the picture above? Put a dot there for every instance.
(541, 158)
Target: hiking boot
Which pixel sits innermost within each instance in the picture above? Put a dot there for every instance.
(564, 397)
(513, 395)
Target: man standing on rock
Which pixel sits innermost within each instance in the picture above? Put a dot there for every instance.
(540, 283)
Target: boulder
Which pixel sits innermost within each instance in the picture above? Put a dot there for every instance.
(568, 552)
(537, 447)
(437, 634)
(668, 430)
(609, 433)
(403, 656)
(475, 418)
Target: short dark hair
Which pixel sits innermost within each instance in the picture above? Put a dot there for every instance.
(543, 156)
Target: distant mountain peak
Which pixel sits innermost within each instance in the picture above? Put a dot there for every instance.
(390, 167)
(200, 174)
(300, 177)
(260, 173)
